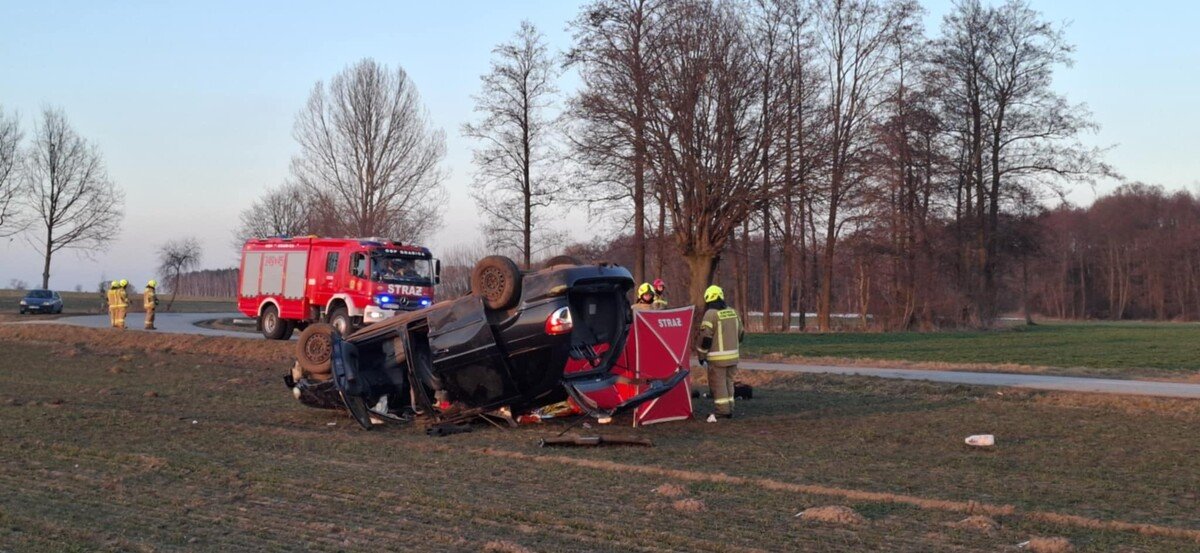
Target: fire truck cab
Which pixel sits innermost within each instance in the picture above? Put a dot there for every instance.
(287, 283)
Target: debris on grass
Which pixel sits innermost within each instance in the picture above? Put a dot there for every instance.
(503, 546)
(151, 393)
(834, 514)
(689, 505)
(977, 523)
(670, 490)
(115, 370)
(1048, 545)
(981, 440)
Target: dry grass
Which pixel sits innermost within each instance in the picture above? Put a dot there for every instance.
(832, 514)
(505, 547)
(670, 490)
(201, 448)
(1050, 545)
(977, 523)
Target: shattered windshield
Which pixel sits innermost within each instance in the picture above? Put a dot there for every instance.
(395, 268)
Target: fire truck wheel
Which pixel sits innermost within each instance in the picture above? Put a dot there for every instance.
(314, 350)
(273, 327)
(340, 319)
(497, 280)
(562, 260)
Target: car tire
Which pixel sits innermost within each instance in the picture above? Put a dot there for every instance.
(314, 350)
(497, 280)
(340, 319)
(273, 327)
(561, 260)
(22, 311)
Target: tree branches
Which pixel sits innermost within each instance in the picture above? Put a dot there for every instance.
(368, 148)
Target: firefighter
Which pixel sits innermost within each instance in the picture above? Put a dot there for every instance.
(120, 303)
(660, 294)
(645, 298)
(150, 303)
(720, 333)
(110, 297)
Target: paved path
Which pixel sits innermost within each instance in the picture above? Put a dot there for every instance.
(175, 323)
(185, 323)
(1034, 381)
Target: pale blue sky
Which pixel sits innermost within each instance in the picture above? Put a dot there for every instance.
(193, 104)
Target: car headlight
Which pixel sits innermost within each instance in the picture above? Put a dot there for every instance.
(23, 302)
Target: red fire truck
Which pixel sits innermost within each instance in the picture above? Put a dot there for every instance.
(287, 283)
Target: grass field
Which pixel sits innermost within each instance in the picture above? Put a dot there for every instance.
(125, 441)
(77, 303)
(1102, 348)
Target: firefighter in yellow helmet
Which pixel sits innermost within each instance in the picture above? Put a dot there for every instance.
(150, 303)
(720, 334)
(645, 298)
(120, 303)
(110, 297)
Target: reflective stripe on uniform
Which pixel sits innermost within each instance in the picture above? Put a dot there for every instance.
(724, 401)
(722, 355)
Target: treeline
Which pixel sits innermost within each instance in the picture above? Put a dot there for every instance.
(828, 156)
(1134, 254)
(208, 283)
(809, 155)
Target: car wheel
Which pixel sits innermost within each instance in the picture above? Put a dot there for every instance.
(497, 280)
(562, 260)
(22, 311)
(339, 318)
(314, 350)
(273, 327)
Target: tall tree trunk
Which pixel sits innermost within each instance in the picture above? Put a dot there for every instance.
(662, 237)
(825, 301)
(701, 266)
(528, 190)
(46, 265)
(743, 274)
(639, 199)
(766, 269)
(1025, 291)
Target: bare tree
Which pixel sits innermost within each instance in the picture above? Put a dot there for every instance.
(613, 50)
(703, 130)
(1020, 137)
(11, 221)
(367, 145)
(175, 258)
(68, 192)
(799, 137)
(855, 36)
(515, 178)
(457, 263)
(288, 210)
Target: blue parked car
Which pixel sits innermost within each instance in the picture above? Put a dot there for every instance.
(41, 301)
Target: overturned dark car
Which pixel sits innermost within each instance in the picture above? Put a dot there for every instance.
(500, 350)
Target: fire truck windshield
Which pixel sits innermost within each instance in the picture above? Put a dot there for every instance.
(396, 269)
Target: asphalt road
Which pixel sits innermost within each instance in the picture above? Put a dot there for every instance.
(1012, 380)
(176, 323)
(185, 323)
